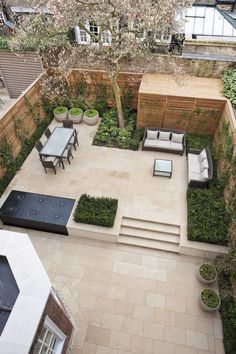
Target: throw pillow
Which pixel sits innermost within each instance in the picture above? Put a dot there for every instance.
(202, 156)
(177, 138)
(164, 135)
(204, 175)
(204, 165)
(151, 134)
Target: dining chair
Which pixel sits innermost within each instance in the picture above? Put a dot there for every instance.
(50, 163)
(39, 147)
(74, 139)
(47, 132)
(68, 153)
(67, 123)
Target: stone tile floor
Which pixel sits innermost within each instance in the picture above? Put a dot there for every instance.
(129, 300)
(124, 299)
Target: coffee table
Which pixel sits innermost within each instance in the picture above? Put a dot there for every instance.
(162, 168)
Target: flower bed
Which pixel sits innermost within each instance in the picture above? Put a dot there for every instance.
(109, 134)
(96, 211)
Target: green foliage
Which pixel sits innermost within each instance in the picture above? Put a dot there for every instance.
(4, 42)
(33, 109)
(12, 164)
(109, 134)
(228, 312)
(199, 142)
(96, 211)
(229, 90)
(100, 103)
(127, 98)
(208, 219)
(60, 110)
(226, 147)
(207, 271)
(81, 88)
(210, 298)
(90, 113)
(75, 111)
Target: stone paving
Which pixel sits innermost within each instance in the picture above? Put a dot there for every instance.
(124, 299)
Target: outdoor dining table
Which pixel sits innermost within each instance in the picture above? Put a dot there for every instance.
(57, 143)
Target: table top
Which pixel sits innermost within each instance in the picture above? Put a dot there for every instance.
(57, 142)
(163, 165)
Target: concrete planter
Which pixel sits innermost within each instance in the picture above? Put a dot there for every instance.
(89, 118)
(203, 304)
(202, 279)
(76, 118)
(60, 113)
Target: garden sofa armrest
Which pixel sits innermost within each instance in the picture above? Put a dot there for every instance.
(194, 151)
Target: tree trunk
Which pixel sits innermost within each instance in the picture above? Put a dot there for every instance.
(116, 90)
(114, 74)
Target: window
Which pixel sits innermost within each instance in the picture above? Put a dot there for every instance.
(106, 37)
(83, 36)
(51, 339)
(94, 30)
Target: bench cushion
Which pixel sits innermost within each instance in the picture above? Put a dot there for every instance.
(151, 143)
(164, 135)
(177, 138)
(193, 163)
(152, 134)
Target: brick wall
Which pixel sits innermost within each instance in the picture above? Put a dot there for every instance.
(57, 313)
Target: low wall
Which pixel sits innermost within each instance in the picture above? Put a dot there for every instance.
(210, 48)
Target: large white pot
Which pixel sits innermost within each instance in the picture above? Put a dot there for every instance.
(91, 120)
(60, 116)
(76, 118)
(203, 280)
(205, 307)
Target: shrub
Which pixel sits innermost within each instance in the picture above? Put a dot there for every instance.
(75, 111)
(90, 113)
(229, 90)
(96, 211)
(199, 142)
(60, 110)
(210, 298)
(109, 134)
(100, 103)
(207, 271)
(4, 42)
(228, 312)
(208, 219)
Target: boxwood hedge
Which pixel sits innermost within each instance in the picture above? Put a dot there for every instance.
(96, 211)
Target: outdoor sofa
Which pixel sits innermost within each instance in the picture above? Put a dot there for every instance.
(166, 140)
(200, 168)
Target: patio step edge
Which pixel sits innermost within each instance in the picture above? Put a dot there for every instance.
(147, 243)
(149, 234)
(150, 224)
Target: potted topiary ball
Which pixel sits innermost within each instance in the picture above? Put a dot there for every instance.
(207, 273)
(91, 116)
(60, 113)
(76, 115)
(209, 300)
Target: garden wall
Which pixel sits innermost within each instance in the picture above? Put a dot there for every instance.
(20, 119)
(162, 103)
(127, 81)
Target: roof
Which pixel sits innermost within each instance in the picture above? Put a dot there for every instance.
(229, 16)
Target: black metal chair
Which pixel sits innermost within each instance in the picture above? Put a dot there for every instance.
(74, 139)
(39, 147)
(47, 132)
(67, 123)
(52, 163)
(68, 153)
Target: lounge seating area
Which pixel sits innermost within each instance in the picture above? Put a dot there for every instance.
(200, 168)
(166, 140)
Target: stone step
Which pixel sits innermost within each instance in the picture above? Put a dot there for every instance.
(149, 234)
(150, 225)
(147, 243)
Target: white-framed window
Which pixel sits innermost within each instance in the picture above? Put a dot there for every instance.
(51, 339)
(94, 29)
(106, 38)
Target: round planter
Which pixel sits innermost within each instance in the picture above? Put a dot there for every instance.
(90, 120)
(202, 279)
(60, 116)
(207, 308)
(76, 118)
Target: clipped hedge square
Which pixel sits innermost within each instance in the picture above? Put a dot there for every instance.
(96, 210)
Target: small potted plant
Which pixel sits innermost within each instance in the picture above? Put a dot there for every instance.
(60, 113)
(207, 273)
(76, 115)
(91, 116)
(209, 300)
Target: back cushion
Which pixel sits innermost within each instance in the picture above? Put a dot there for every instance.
(203, 165)
(152, 134)
(177, 138)
(164, 135)
(203, 155)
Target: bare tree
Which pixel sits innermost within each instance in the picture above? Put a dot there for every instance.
(116, 29)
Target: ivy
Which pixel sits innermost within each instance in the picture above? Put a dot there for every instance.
(229, 90)
(34, 110)
(100, 103)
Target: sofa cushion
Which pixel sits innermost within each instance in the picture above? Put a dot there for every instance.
(152, 143)
(193, 163)
(204, 175)
(204, 165)
(194, 176)
(163, 144)
(177, 138)
(164, 135)
(176, 146)
(152, 134)
(203, 155)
